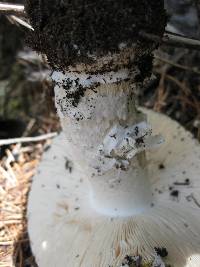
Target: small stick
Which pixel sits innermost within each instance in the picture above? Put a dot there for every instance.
(165, 60)
(27, 139)
(6, 243)
(182, 41)
(20, 21)
(173, 39)
(11, 9)
(191, 197)
(186, 182)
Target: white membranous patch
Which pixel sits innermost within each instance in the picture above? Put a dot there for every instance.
(121, 144)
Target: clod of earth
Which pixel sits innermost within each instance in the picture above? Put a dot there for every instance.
(71, 32)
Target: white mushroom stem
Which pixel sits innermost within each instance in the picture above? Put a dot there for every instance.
(107, 138)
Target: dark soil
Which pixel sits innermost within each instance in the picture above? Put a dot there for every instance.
(68, 30)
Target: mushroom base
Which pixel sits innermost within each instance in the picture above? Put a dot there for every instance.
(65, 231)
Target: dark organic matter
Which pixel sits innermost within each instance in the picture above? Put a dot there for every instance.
(68, 32)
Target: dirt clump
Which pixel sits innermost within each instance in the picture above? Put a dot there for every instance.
(70, 31)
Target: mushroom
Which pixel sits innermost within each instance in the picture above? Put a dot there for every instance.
(66, 230)
(110, 191)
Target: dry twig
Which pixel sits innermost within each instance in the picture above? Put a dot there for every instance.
(26, 139)
(11, 9)
(179, 66)
(17, 20)
(172, 39)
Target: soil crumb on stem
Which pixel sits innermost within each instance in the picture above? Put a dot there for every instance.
(70, 31)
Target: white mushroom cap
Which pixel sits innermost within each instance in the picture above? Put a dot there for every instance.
(65, 231)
